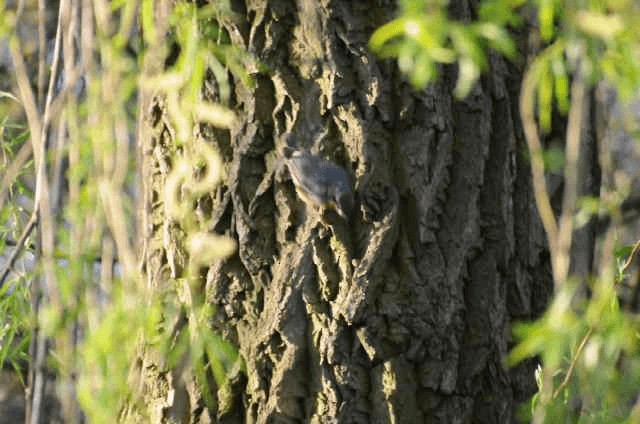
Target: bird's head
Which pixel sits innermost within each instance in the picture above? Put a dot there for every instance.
(343, 199)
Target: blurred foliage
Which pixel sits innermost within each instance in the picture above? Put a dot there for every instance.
(594, 349)
(588, 346)
(196, 168)
(98, 310)
(15, 313)
(423, 36)
(15, 325)
(599, 37)
(553, 159)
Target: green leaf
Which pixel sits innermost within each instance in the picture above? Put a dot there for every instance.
(623, 252)
(148, 26)
(546, 14)
(385, 33)
(599, 24)
(545, 96)
(468, 74)
(423, 72)
(561, 84)
(499, 39)
(553, 159)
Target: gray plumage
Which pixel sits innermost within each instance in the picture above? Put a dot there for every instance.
(321, 183)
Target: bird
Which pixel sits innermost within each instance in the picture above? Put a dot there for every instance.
(320, 183)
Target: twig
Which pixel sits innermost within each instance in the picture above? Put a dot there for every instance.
(13, 169)
(39, 378)
(42, 47)
(559, 235)
(574, 361)
(19, 245)
(42, 208)
(532, 137)
(43, 203)
(634, 252)
(26, 94)
(570, 196)
(20, 10)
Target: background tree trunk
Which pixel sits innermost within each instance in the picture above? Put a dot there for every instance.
(404, 314)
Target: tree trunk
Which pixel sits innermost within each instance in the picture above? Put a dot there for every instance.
(404, 314)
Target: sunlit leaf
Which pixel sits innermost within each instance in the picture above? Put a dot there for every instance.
(598, 24)
(468, 75)
(546, 15)
(561, 84)
(214, 114)
(207, 248)
(386, 32)
(498, 37)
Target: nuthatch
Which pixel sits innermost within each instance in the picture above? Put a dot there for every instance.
(319, 182)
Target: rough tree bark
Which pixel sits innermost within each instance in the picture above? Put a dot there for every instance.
(403, 315)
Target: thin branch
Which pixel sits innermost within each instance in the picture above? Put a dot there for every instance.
(20, 10)
(559, 235)
(39, 379)
(574, 361)
(585, 339)
(43, 200)
(24, 154)
(634, 252)
(570, 196)
(19, 246)
(527, 115)
(42, 47)
(116, 221)
(26, 94)
(42, 209)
